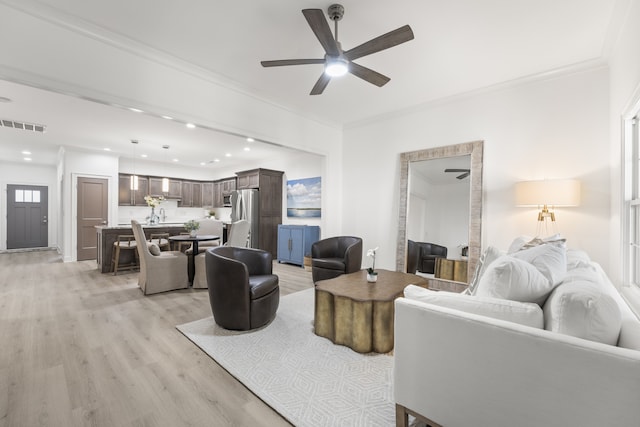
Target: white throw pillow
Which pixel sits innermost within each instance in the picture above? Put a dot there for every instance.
(527, 314)
(514, 279)
(582, 310)
(518, 243)
(578, 259)
(550, 259)
(488, 256)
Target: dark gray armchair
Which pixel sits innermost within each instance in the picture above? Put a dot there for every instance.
(243, 292)
(334, 256)
(421, 256)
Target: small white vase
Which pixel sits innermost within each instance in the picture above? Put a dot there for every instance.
(372, 278)
(193, 233)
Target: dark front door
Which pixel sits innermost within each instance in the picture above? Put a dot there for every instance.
(92, 210)
(27, 216)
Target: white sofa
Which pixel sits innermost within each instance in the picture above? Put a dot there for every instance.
(458, 368)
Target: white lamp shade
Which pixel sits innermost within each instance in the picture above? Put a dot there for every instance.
(564, 192)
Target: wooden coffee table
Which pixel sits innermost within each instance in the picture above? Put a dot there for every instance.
(352, 312)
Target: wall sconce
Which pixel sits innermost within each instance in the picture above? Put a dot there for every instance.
(546, 195)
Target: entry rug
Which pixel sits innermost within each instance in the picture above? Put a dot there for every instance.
(305, 378)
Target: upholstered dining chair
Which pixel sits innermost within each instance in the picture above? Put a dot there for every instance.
(239, 234)
(243, 291)
(207, 226)
(334, 256)
(159, 271)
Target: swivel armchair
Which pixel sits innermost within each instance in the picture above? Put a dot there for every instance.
(421, 256)
(243, 292)
(334, 256)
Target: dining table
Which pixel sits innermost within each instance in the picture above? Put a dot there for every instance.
(194, 241)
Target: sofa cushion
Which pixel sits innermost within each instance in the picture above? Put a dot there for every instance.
(514, 279)
(550, 259)
(488, 256)
(581, 309)
(527, 314)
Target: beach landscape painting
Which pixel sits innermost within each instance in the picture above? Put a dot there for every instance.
(304, 198)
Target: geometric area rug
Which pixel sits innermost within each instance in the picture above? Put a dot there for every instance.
(305, 378)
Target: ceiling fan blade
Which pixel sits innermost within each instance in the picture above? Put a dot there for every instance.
(320, 27)
(282, 62)
(385, 41)
(322, 83)
(464, 175)
(368, 74)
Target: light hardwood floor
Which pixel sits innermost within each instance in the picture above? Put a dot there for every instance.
(80, 348)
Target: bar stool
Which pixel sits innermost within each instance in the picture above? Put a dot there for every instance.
(124, 243)
(160, 239)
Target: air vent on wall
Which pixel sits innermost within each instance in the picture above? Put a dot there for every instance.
(33, 127)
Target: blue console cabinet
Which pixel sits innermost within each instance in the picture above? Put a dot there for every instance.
(294, 242)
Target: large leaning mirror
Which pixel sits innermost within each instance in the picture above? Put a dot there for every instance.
(441, 203)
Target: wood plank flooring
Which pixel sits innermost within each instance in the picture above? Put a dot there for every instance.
(81, 348)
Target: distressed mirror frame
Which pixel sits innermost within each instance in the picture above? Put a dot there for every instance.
(475, 149)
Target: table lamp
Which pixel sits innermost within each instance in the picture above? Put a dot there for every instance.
(546, 195)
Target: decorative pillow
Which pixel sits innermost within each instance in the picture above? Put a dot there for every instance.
(582, 310)
(518, 243)
(154, 249)
(488, 256)
(526, 242)
(527, 314)
(549, 259)
(578, 259)
(514, 279)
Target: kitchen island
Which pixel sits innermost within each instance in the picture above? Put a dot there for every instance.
(107, 235)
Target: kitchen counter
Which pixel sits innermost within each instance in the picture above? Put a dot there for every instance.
(107, 235)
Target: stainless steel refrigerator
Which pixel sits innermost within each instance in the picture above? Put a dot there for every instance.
(245, 204)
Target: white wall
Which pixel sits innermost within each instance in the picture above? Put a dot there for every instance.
(81, 164)
(553, 128)
(29, 174)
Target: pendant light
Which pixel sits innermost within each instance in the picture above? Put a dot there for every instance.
(165, 180)
(134, 177)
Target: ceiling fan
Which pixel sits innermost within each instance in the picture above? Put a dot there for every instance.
(465, 172)
(338, 62)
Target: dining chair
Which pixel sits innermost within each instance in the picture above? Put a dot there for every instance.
(207, 226)
(159, 271)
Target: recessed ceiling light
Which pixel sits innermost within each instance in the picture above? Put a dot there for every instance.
(107, 149)
(247, 149)
(28, 159)
(250, 139)
(167, 117)
(216, 160)
(175, 160)
(228, 155)
(26, 153)
(143, 155)
(4, 99)
(135, 110)
(203, 163)
(190, 125)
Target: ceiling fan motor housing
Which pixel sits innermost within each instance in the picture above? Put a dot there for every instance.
(336, 12)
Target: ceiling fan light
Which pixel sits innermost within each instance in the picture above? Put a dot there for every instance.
(336, 67)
